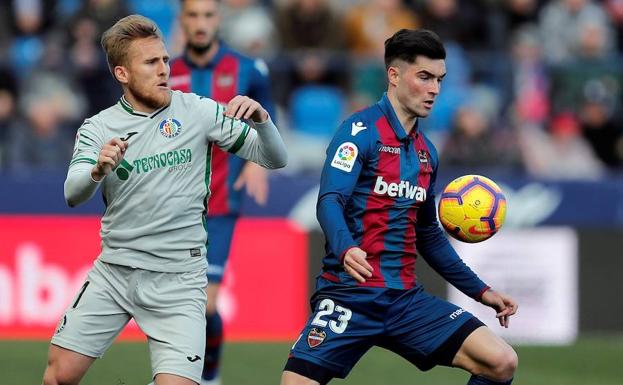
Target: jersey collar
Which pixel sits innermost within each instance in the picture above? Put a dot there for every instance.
(387, 109)
(123, 102)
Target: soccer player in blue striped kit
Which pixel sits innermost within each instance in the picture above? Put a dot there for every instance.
(210, 68)
(376, 207)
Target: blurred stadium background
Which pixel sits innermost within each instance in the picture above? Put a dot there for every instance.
(533, 99)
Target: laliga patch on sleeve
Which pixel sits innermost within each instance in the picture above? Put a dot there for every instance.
(345, 156)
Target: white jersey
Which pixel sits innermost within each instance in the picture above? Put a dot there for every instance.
(156, 197)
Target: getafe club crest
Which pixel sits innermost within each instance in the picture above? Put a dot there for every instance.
(170, 128)
(315, 337)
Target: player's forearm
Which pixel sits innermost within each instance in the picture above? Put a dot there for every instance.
(266, 148)
(330, 214)
(79, 186)
(434, 247)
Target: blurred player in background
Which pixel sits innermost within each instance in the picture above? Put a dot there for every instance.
(209, 68)
(150, 154)
(377, 209)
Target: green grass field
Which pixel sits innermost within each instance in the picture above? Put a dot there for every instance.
(591, 361)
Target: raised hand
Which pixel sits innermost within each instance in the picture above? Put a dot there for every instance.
(243, 107)
(110, 156)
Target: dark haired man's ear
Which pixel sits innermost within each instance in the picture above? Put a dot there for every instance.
(393, 74)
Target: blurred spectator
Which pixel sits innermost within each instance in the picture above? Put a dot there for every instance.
(614, 8)
(602, 125)
(369, 24)
(463, 22)
(248, 27)
(561, 23)
(86, 60)
(31, 20)
(593, 63)
(102, 13)
(8, 95)
(509, 16)
(312, 42)
(530, 80)
(475, 141)
(44, 138)
(560, 154)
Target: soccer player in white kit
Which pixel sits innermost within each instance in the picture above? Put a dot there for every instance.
(150, 153)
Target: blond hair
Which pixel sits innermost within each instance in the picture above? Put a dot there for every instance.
(117, 39)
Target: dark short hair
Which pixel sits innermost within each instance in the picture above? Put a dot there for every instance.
(407, 44)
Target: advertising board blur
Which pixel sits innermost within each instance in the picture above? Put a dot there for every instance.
(44, 261)
(539, 268)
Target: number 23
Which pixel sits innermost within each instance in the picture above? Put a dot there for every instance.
(327, 307)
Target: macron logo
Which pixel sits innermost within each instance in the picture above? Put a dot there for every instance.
(402, 189)
(457, 313)
(356, 128)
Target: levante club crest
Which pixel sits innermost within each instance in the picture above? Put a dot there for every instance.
(315, 337)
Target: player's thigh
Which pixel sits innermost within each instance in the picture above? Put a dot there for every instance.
(337, 334)
(220, 230)
(172, 379)
(291, 378)
(485, 353)
(97, 313)
(427, 330)
(65, 366)
(172, 315)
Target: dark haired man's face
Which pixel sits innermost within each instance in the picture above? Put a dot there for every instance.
(418, 84)
(200, 21)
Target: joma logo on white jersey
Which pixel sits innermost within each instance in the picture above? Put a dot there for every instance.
(402, 189)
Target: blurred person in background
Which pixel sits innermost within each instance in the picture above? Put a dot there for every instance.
(210, 68)
(376, 207)
(31, 21)
(591, 63)
(459, 21)
(561, 152)
(530, 91)
(561, 23)
(42, 139)
(602, 125)
(476, 141)
(367, 27)
(86, 60)
(8, 101)
(248, 27)
(312, 44)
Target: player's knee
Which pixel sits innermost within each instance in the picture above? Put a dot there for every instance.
(211, 307)
(505, 364)
(55, 375)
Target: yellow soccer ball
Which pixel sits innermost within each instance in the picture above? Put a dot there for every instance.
(472, 208)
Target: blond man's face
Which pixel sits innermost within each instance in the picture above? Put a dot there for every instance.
(146, 72)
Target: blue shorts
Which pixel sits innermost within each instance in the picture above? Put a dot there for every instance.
(220, 233)
(348, 320)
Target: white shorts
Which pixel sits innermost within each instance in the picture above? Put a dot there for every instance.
(168, 307)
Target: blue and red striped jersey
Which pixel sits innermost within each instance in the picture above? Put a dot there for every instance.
(377, 192)
(227, 75)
